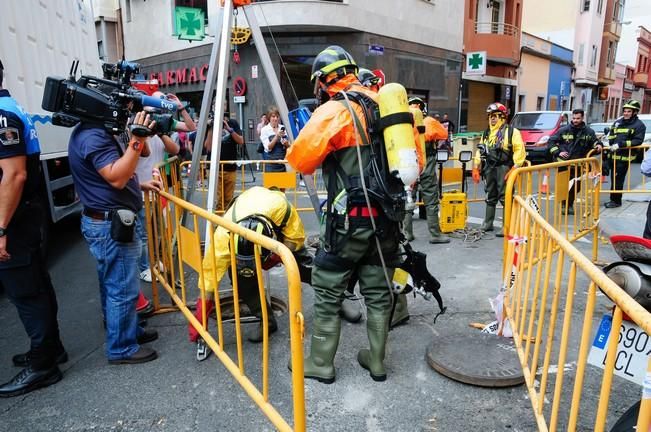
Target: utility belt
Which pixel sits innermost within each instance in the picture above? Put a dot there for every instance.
(497, 157)
(123, 222)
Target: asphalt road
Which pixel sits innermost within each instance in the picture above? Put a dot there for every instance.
(176, 393)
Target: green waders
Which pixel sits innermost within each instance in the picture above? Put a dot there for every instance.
(357, 252)
(495, 190)
(430, 191)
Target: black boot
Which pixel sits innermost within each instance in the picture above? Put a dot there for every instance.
(30, 379)
(257, 336)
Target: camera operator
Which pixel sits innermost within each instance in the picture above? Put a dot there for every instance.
(23, 272)
(104, 177)
(231, 137)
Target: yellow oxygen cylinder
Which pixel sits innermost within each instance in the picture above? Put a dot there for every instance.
(398, 133)
(420, 125)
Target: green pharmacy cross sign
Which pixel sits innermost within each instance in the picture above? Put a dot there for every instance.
(476, 63)
(189, 23)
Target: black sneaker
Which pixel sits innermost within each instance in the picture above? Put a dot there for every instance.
(22, 360)
(143, 355)
(29, 380)
(613, 204)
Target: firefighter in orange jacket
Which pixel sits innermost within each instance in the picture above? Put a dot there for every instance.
(332, 138)
(429, 188)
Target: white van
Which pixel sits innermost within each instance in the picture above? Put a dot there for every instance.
(41, 39)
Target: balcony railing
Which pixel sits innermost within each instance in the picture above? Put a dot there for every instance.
(496, 28)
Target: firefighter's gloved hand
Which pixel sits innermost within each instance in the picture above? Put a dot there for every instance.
(475, 175)
(271, 262)
(613, 147)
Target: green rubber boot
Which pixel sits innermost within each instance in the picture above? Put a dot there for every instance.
(377, 328)
(434, 227)
(487, 225)
(408, 226)
(325, 339)
(401, 313)
(351, 310)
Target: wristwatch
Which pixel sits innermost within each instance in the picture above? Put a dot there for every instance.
(3, 232)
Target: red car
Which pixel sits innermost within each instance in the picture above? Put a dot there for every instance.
(536, 127)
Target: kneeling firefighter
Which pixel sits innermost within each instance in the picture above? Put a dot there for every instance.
(264, 211)
(360, 230)
(501, 148)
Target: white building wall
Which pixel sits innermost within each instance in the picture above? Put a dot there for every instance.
(105, 8)
(437, 23)
(589, 32)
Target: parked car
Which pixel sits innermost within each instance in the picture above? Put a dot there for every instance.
(536, 127)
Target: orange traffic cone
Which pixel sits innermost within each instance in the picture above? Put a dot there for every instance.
(544, 188)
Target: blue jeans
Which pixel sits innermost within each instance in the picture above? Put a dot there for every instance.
(141, 233)
(117, 270)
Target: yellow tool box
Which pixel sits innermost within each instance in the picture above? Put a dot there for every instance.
(454, 211)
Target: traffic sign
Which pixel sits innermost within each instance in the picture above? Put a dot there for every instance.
(476, 63)
(239, 99)
(239, 86)
(190, 23)
(376, 50)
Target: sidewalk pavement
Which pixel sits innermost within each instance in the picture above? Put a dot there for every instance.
(627, 219)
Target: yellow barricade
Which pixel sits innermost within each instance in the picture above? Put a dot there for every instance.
(554, 317)
(610, 167)
(550, 186)
(176, 256)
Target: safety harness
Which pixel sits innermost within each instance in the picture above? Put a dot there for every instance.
(385, 190)
(497, 155)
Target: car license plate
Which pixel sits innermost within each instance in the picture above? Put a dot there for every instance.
(633, 350)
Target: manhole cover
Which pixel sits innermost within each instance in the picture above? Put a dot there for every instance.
(278, 307)
(476, 358)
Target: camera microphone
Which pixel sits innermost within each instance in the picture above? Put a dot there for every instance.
(155, 102)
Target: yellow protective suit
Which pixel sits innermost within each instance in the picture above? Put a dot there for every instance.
(261, 201)
(519, 152)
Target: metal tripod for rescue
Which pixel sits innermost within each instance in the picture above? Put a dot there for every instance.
(216, 80)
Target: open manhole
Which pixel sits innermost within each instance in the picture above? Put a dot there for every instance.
(278, 306)
(476, 358)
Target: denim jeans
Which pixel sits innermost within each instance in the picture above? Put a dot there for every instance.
(117, 270)
(141, 234)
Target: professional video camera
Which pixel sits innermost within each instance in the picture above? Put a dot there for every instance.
(107, 102)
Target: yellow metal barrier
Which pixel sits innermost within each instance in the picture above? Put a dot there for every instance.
(549, 186)
(552, 337)
(177, 250)
(611, 167)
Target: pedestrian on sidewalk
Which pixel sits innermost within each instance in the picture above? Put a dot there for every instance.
(23, 271)
(627, 131)
(645, 168)
(573, 141)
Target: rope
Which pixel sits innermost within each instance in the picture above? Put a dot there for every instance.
(282, 62)
(472, 235)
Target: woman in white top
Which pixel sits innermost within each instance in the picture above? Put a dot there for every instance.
(274, 140)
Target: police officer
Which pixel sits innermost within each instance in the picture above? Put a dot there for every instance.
(627, 131)
(429, 187)
(23, 272)
(573, 141)
(500, 149)
(348, 238)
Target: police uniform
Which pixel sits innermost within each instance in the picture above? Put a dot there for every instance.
(24, 276)
(504, 149)
(624, 133)
(577, 142)
(348, 243)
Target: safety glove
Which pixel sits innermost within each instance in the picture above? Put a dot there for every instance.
(475, 175)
